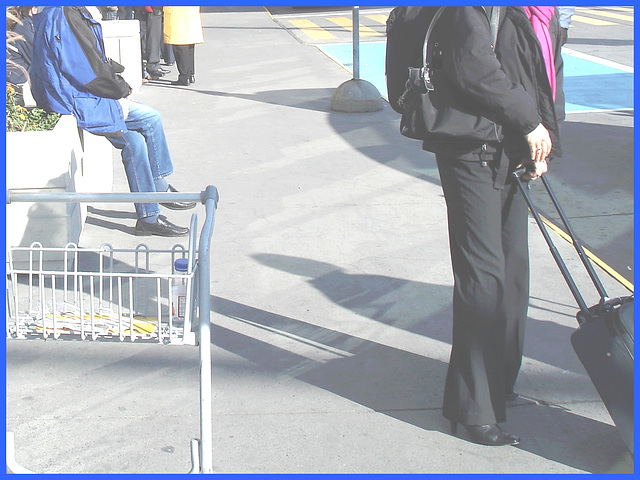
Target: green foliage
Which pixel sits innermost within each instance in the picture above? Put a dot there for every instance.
(21, 119)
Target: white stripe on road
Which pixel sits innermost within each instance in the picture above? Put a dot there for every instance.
(601, 61)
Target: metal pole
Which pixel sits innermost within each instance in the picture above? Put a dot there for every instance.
(356, 43)
(111, 197)
(204, 253)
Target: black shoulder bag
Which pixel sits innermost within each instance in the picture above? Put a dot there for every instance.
(443, 113)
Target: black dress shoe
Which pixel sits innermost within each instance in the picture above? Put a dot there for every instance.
(155, 68)
(491, 435)
(178, 205)
(156, 74)
(183, 83)
(162, 227)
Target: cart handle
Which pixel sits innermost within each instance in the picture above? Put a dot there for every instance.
(210, 192)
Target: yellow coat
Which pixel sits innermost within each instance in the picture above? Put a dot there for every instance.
(182, 25)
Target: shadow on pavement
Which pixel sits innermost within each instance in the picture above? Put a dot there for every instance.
(101, 217)
(131, 215)
(558, 435)
(315, 99)
(595, 186)
(398, 383)
(110, 225)
(599, 41)
(391, 148)
(387, 150)
(403, 304)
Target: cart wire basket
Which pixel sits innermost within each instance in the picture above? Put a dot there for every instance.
(103, 293)
(117, 294)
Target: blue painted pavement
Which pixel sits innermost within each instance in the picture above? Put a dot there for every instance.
(588, 85)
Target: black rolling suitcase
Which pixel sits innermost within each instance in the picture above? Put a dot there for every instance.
(604, 338)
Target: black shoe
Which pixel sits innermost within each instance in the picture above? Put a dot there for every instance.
(178, 205)
(156, 73)
(183, 83)
(152, 76)
(162, 227)
(491, 435)
(156, 69)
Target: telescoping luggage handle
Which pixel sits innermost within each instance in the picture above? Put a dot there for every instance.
(604, 298)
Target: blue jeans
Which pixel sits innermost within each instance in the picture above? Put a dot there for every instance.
(145, 155)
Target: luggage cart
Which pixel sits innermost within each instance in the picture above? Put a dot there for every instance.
(117, 294)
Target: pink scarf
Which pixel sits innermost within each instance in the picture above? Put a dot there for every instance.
(540, 18)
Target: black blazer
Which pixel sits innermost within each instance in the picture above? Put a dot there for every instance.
(509, 86)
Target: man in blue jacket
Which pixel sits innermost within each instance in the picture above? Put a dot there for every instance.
(70, 74)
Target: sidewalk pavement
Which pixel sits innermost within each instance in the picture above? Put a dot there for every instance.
(331, 290)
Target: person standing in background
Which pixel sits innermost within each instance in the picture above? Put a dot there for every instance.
(125, 13)
(183, 29)
(151, 40)
(109, 13)
(167, 51)
(565, 21)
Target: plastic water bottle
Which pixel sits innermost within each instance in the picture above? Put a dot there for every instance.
(179, 291)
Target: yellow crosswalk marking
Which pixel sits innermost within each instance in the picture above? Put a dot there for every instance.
(591, 21)
(585, 15)
(603, 13)
(312, 30)
(378, 18)
(345, 23)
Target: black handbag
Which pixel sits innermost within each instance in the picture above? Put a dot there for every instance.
(443, 113)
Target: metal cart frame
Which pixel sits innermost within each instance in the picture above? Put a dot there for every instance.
(201, 449)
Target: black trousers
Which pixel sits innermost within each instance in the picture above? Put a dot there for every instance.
(185, 60)
(153, 38)
(490, 258)
(151, 35)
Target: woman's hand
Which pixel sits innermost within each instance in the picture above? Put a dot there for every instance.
(539, 143)
(533, 170)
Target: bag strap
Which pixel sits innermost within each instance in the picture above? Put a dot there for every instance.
(426, 55)
(494, 22)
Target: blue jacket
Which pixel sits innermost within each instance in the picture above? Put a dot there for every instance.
(70, 73)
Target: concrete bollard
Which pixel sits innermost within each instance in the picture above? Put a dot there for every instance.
(357, 96)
